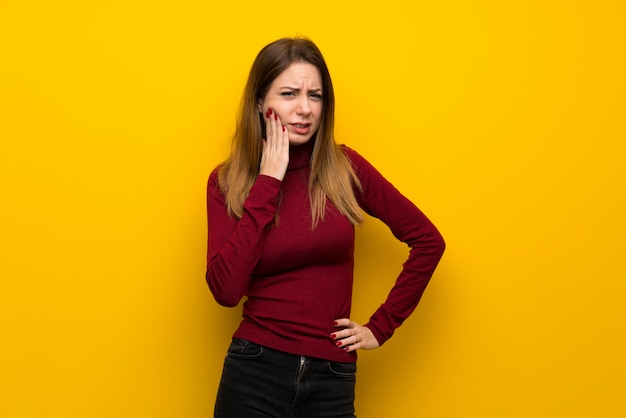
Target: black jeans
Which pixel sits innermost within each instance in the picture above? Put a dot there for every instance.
(261, 382)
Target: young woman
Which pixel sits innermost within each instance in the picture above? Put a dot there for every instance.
(281, 216)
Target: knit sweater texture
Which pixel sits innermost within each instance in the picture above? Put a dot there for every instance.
(296, 280)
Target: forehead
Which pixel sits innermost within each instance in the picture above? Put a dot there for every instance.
(297, 74)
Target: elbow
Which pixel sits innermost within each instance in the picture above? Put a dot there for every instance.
(226, 301)
(433, 243)
(221, 295)
(440, 243)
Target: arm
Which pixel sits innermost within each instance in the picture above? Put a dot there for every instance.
(235, 245)
(409, 225)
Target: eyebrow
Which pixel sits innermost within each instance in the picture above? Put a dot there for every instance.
(297, 89)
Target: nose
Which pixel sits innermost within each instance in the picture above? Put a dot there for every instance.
(304, 107)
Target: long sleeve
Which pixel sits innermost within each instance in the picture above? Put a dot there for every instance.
(408, 224)
(235, 245)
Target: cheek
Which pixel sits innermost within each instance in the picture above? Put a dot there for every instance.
(318, 115)
(275, 105)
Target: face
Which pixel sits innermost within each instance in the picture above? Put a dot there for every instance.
(296, 96)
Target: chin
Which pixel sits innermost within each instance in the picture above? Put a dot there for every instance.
(299, 141)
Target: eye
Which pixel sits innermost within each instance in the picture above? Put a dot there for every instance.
(316, 96)
(287, 93)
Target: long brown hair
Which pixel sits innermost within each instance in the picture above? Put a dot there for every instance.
(332, 175)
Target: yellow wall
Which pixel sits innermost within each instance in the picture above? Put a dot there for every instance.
(504, 121)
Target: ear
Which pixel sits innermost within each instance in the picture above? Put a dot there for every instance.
(259, 106)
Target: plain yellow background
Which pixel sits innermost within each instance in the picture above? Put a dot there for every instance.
(504, 121)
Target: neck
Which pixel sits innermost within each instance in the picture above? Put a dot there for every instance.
(300, 155)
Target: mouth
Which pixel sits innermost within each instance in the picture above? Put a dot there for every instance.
(301, 128)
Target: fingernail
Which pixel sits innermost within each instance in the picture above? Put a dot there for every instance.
(335, 323)
(333, 336)
(284, 129)
(346, 348)
(275, 116)
(338, 343)
(269, 112)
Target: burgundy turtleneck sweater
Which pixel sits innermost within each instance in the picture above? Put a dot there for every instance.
(297, 280)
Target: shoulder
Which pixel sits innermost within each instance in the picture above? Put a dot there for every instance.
(359, 163)
(215, 174)
(213, 184)
(353, 156)
(348, 152)
(216, 171)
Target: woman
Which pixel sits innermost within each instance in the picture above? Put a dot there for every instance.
(281, 215)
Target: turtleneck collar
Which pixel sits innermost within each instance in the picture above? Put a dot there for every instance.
(300, 155)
